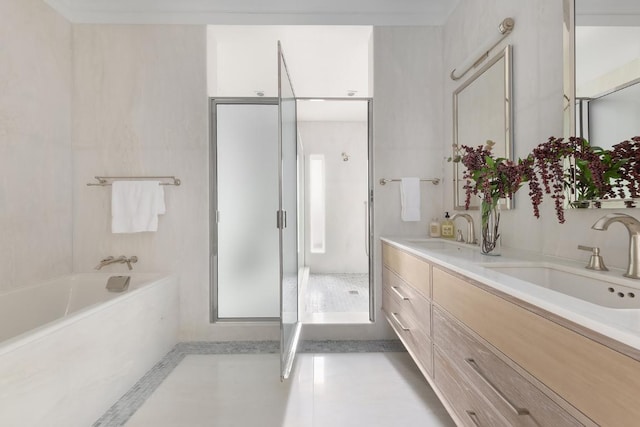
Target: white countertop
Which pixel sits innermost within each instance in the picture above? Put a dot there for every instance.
(619, 324)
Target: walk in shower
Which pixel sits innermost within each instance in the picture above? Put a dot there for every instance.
(255, 248)
(290, 199)
(335, 134)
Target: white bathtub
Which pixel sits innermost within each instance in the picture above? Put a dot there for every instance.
(69, 348)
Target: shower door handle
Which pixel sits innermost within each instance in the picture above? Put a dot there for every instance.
(366, 228)
(281, 219)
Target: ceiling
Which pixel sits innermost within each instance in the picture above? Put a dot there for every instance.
(609, 12)
(258, 12)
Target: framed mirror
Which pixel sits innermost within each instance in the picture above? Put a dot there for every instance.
(602, 84)
(482, 110)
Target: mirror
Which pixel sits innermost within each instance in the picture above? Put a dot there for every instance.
(481, 112)
(602, 82)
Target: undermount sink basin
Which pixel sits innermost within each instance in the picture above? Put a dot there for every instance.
(598, 291)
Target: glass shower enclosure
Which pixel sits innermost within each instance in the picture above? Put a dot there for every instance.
(254, 204)
(290, 324)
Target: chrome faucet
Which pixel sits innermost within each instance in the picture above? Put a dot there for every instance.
(633, 227)
(121, 259)
(471, 234)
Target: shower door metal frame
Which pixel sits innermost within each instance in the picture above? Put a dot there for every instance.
(213, 206)
(288, 338)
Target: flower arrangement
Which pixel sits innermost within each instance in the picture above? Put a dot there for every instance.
(625, 159)
(599, 174)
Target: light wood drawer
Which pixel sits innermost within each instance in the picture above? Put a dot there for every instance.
(470, 407)
(410, 268)
(519, 401)
(599, 381)
(409, 331)
(413, 303)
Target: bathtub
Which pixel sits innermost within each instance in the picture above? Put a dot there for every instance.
(69, 348)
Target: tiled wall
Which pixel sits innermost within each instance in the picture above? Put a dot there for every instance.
(537, 94)
(140, 108)
(35, 143)
(408, 128)
(345, 194)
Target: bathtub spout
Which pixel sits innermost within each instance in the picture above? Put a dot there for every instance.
(121, 260)
(108, 260)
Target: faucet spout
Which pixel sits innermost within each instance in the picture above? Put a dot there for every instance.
(471, 234)
(106, 261)
(632, 224)
(633, 228)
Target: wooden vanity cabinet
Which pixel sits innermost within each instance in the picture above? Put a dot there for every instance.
(582, 374)
(406, 292)
(496, 361)
(501, 394)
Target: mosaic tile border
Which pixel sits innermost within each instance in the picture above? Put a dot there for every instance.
(133, 399)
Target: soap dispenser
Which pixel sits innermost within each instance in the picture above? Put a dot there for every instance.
(434, 227)
(447, 229)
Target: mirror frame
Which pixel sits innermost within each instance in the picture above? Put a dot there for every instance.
(569, 68)
(569, 107)
(506, 53)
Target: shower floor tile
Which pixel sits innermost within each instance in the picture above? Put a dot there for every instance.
(337, 293)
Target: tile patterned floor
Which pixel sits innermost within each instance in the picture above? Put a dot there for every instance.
(337, 293)
(238, 384)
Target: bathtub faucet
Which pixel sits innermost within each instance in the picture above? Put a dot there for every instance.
(121, 259)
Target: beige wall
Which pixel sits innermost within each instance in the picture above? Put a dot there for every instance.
(140, 108)
(537, 105)
(408, 130)
(35, 143)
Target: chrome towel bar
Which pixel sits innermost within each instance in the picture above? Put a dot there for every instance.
(383, 181)
(107, 180)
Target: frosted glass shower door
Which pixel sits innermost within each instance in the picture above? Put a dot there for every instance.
(248, 273)
(288, 219)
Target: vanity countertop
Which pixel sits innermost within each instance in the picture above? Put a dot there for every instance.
(619, 324)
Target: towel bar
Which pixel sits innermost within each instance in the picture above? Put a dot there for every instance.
(104, 180)
(435, 181)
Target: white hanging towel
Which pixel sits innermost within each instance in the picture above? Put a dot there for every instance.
(410, 199)
(135, 206)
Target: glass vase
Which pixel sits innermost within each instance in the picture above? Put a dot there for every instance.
(491, 242)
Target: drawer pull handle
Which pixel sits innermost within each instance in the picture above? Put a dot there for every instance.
(397, 319)
(402, 297)
(514, 408)
(474, 418)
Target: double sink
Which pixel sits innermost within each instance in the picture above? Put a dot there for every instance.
(605, 289)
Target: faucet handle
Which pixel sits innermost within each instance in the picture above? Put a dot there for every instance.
(133, 259)
(595, 262)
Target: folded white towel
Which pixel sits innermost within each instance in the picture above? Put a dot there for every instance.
(410, 199)
(135, 206)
